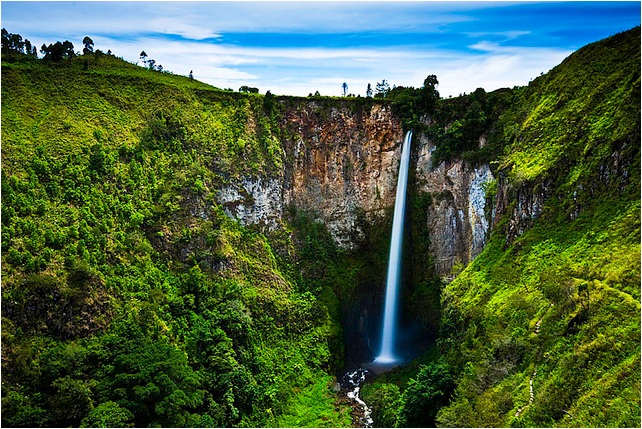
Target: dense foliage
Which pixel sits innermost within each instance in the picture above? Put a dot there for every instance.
(543, 327)
(460, 122)
(555, 310)
(129, 298)
(413, 105)
(121, 308)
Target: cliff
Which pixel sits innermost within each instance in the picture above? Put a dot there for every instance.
(338, 160)
(458, 222)
(178, 255)
(342, 161)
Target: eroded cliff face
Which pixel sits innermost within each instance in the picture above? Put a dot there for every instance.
(458, 219)
(342, 161)
(338, 161)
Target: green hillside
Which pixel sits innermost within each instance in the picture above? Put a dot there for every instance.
(129, 298)
(558, 307)
(542, 329)
(121, 308)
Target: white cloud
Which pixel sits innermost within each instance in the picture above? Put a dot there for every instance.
(504, 35)
(178, 26)
(306, 70)
(485, 46)
(203, 19)
(498, 69)
(127, 28)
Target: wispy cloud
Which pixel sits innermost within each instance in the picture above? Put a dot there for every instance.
(301, 47)
(503, 35)
(498, 69)
(181, 27)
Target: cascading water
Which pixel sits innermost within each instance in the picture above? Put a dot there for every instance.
(352, 383)
(387, 357)
(387, 353)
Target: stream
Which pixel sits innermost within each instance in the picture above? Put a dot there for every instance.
(351, 383)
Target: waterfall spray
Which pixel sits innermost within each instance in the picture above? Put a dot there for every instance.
(387, 354)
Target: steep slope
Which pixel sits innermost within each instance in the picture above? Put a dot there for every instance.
(140, 206)
(129, 297)
(543, 328)
(174, 254)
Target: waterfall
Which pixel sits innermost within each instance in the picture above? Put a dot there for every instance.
(387, 353)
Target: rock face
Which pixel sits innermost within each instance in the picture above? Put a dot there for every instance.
(338, 161)
(529, 200)
(254, 201)
(457, 219)
(341, 160)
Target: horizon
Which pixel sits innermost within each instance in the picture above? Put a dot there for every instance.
(298, 48)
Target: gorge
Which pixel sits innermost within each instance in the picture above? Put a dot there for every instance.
(178, 255)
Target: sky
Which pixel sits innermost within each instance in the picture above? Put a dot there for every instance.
(300, 47)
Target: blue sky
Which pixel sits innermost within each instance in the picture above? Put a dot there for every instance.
(297, 48)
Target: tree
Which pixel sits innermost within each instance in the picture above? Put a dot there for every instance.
(16, 44)
(108, 414)
(369, 91)
(344, 87)
(386, 404)
(89, 45)
(143, 57)
(5, 41)
(429, 94)
(404, 101)
(58, 51)
(31, 50)
(426, 394)
(249, 89)
(13, 44)
(269, 102)
(68, 49)
(72, 401)
(382, 89)
(153, 380)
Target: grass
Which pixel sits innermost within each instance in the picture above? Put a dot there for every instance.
(315, 406)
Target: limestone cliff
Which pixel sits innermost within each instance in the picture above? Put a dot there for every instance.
(457, 219)
(342, 160)
(338, 161)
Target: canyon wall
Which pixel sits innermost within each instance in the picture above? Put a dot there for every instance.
(458, 220)
(340, 161)
(337, 161)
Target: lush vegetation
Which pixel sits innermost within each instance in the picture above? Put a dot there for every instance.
(129, 298)
(119, 306)
(543, 328)
(558, 307)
